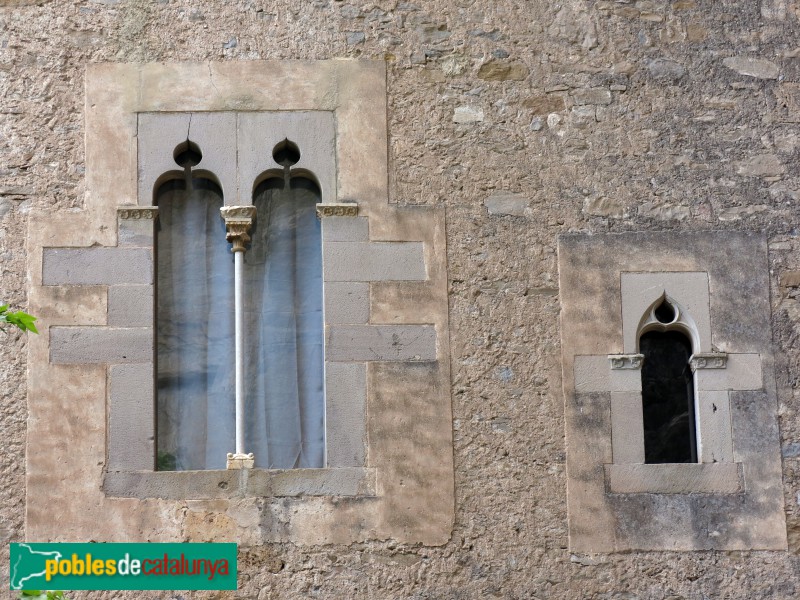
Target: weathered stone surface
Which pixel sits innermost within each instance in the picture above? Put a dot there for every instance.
(111, 345)
(715, 478)
(502, 273)
(467, 114)
(763, 165)
(626, 415)
(86, 266)
(545, 104)
(130, 305)
(345, 229)
(345, 409)
(381, 343)
(351, 93)
(666, 69)
(603, 206)
(592, 96)
(346, 302)
(752, 67)
(131, 417)
(503, 71)
(378, 261)
(507, 204)
(597, 273)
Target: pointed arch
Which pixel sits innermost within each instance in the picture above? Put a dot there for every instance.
(665, 339)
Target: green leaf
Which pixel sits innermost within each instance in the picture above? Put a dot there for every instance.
(22, 320)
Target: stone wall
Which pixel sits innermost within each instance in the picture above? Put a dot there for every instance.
(523, 120)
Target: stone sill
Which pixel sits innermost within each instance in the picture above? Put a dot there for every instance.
(694, 478)
(240, 483)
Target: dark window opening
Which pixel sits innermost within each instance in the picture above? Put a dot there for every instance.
(194, 325)
(668, 398)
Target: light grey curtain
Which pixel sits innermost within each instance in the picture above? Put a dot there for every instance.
(284, 383)
(284, 343)
(195, 319)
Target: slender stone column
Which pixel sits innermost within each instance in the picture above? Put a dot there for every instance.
(238, 220)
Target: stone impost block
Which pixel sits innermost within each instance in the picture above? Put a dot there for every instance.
(345, 396)
(131, 418)
(714, 422)
(626, 361)
(378, 261)
(173, 485)
(346, 302)
(337, 209)
(742, 372)
(158, 134)
(130, 305)
(627, 427)
(381, 343)
(314, 133)
(593, 373)
(345, 229)
(708, 360)
(91, 266)
(713, 478)
(136, 225)
(311, 482)
(111, 345)
(238, 483)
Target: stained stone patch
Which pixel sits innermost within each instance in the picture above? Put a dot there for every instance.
(752, 67)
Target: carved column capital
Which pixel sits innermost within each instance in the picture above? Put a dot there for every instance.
(238, 220)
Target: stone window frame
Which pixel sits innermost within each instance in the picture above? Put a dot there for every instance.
(608, 286)
(239, 157)
(715, 375)
(382, 351)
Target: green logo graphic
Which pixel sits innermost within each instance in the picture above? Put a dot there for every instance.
(123, 566)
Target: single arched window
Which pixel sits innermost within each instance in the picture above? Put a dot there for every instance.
(667, 391)
(194, 320)
(284, 350)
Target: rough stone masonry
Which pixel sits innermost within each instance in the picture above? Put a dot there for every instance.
(523, 121)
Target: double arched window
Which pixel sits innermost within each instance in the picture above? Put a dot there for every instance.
(281, 313)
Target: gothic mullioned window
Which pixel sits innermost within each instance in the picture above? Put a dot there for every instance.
(282, 388)
(384, 356)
